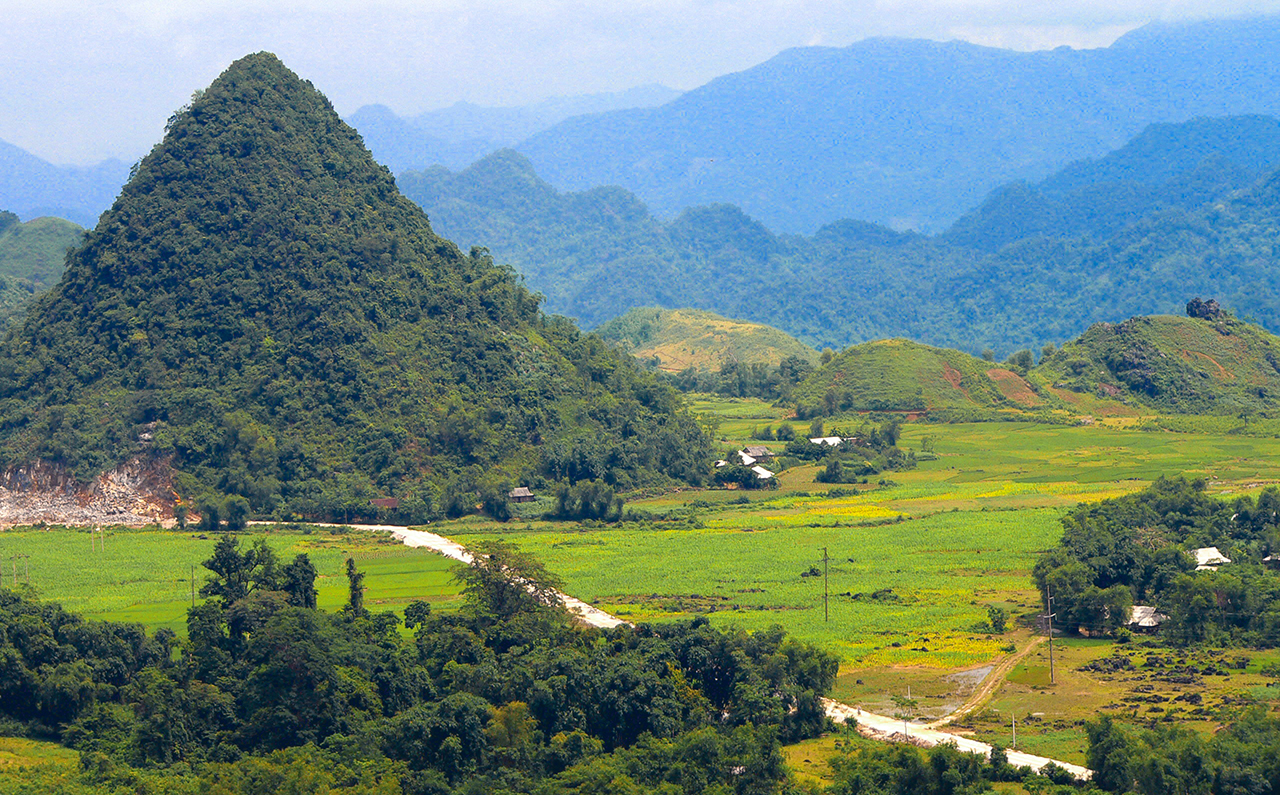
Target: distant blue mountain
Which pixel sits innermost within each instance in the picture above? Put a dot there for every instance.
(32, 187)
(908, 133)
(460, 134)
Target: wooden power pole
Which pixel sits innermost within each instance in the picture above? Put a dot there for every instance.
(1048, 596)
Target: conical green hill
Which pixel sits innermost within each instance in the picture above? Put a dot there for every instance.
(898, 375)
(262, 307)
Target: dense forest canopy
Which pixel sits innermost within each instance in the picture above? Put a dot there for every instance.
(1138, 550)
(264, 309)
(506, 696)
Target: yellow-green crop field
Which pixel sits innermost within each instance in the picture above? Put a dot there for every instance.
(914, 562)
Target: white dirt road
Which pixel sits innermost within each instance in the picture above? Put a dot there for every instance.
(879, 727)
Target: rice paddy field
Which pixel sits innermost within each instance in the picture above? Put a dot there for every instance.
(912, 561)
(146, 575)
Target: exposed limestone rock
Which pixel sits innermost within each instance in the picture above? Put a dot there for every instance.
(138, 492)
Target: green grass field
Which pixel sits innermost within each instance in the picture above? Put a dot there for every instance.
(145, 575)
(914, 561)
(948, 538)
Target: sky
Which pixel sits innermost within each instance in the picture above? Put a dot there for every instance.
(83, 81)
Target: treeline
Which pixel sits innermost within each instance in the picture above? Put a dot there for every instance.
(504, 697)
(1137, 550)
(740, 379)
(1241, 757)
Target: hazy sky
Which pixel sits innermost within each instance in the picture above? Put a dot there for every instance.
(88, 80)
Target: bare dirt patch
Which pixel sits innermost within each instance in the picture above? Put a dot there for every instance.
(1013, 387)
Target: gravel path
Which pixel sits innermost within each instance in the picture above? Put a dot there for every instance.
(880, 727)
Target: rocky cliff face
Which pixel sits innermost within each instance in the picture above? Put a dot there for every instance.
(137, 492)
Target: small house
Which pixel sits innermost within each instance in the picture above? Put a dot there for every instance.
(1271, 562)
(758, 451)
(746, 458)
(828, 441)
(520, 494)
(390, 503)
(1209, 558)
(1143, 618)
(762, 473)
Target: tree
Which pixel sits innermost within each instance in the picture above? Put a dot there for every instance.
(209, 522)
(232, 571)
(503, 582)
(416, 613)
(237, 512)
(997, 617)
(355, 589)
(298, 580)
(1021, 362)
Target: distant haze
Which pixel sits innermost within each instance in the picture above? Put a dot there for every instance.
(83, 82)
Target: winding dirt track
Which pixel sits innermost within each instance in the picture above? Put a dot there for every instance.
(879, 727)
(989, 684)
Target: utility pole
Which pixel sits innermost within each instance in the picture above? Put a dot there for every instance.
(26, 567)
(826, 610)
(1048, 598)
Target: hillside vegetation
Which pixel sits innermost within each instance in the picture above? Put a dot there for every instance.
(262, 308)
(31, 259)
(1163, 364)
(677, 339)
(898, 375)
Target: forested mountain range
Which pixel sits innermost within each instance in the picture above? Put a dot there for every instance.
(1181, 210)
(262, 308)
(32, 187)
(905, 133)
(908, 133)
(459, 135)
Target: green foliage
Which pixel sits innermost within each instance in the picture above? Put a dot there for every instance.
(998, 618)
(506, 695)
(1177, 364)
(1134, 550)
(31, 259)
(585, 500)
(262, 306)
(896, 375)
(736, 379)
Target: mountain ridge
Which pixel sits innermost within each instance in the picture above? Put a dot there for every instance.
(263, 305)
(983, 116)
